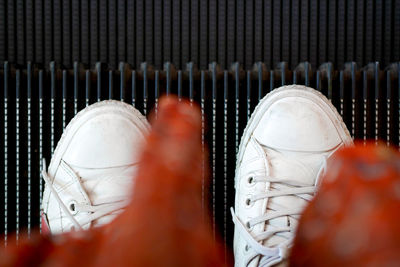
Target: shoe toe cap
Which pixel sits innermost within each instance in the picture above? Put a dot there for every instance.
(296, 123)
(107, 140)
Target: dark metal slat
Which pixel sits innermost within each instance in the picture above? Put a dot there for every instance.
(149, 31)
(180, 85)
(225, 221)
(110, 85)
(145, 89)
(29, 143)
(388, 107)
(87, 87)
(17, 152)
(176, 33)
(377, 95)
(6, 152)
(98, 77)
(58, 31)
(40, 140)
(213, 144)
(133, 88)
(249, 34)
(76, 87)
(202, 107)
(156, 90)
(52, 100)
(365, 104)
(64, 98)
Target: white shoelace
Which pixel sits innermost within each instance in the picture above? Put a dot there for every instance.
(273, 255)
(108, 205)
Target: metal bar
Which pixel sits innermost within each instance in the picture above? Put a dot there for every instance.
(168, 74)
(40, 139)
(65, 96)
(98, 72)
(53, 93)
(122, 79)
(271, 80)
(76, 87)
(330, 86)
(260, 80)
(5, 152)
(377, 89)
(388, 104)
(365, 99)
(156, 90)
(318, 85)
(202, 143)
(307, 81)
(87, 87)
(353, 99)
(133, 88)
(17, 149)
(191, 89)
(29, 137)
(341, 89)
(248, 111)
(214, 152)
(225, 158)
(145, 90)
(110, 85)
(237, 106)
(294, 77)
(180, 85)
(283, 73)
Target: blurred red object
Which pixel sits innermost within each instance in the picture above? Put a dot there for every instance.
(163, 225)
(354, 220)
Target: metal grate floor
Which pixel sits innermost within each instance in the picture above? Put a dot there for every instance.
(38, 103)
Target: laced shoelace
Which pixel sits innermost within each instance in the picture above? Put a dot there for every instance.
(108, 205)
(272, 255)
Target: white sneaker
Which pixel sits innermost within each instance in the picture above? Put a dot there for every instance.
(90, 176)
(282, 155)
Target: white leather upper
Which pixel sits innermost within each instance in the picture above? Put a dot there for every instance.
(107, 140)
(297, 123)
(94, 163)
(289, 136)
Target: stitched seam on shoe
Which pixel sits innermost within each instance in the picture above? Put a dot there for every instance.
(124, 106)
(77, 180)
(276, 91)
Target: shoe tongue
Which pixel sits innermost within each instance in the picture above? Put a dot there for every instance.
(291, 166)
(301, 167)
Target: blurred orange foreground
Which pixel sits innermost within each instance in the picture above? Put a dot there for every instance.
(354, 220)
(163, 225)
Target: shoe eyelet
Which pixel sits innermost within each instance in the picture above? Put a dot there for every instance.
(72, 207)
(248, 225)
(248, 202)
(250, 180)
(246, 248)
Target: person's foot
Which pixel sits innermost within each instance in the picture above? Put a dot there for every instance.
(282, 155)
(163, 225)
(91, 173)
(354, 218)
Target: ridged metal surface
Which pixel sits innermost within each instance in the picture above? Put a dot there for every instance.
(39, 102)
(201, 31)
